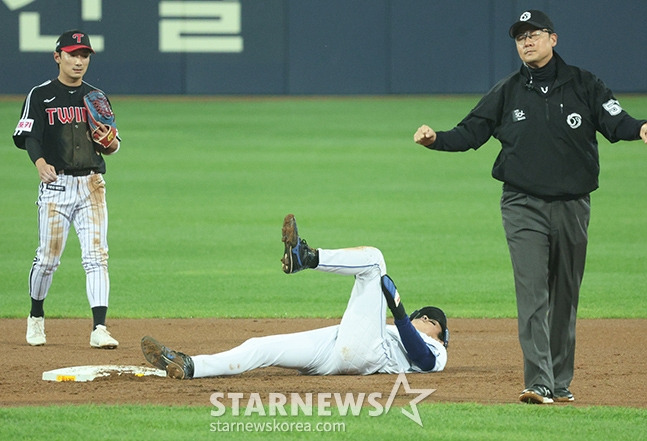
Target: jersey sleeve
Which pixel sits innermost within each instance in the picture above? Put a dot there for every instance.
(31, 122)
(34, 148)
(476, 128)
(612, 121)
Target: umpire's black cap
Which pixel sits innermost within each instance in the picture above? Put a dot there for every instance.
(435, 314)
(70, 41)
(534, 18)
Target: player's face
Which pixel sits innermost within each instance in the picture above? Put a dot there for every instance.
(72, 66)
(536, 49)
(428, 326)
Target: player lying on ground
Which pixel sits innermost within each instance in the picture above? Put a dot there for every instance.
(361, 344)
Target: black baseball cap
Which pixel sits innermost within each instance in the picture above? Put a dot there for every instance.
(435, 314)
(534, 18)
(70, 41)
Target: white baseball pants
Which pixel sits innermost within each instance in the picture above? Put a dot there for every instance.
(81, 201)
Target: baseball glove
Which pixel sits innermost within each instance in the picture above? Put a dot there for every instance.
(99, 111)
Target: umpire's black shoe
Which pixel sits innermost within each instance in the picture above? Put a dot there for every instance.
(176, 364)
(297, 255)
(536, 394)
(563, 395)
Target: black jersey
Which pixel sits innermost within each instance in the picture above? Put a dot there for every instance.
(55, 116)
(548, 135)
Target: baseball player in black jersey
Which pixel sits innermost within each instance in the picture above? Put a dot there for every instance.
(546, 116)
(53, 128)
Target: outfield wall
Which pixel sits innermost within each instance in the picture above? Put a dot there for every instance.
(298, 47)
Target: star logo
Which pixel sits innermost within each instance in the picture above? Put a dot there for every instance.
(422, 394)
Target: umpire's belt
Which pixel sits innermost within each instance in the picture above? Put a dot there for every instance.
(82, 172)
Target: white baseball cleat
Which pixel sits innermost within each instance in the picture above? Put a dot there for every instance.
(36, 331)
(101, 338)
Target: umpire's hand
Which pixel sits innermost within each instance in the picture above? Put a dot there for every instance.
(425, 135)
(643, 132)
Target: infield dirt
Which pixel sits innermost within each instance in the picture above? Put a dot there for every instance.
(485, 364)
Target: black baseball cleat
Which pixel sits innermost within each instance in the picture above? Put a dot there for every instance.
(297, 255)
(563, 395)
(536, 394)
(176, 364)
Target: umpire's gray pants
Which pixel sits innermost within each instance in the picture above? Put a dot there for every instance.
(547, 243)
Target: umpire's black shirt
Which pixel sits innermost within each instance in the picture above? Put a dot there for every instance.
(548, 135)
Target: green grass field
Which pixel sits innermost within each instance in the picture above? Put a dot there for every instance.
(196, 199)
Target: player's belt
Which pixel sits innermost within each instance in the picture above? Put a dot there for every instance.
(82, 172)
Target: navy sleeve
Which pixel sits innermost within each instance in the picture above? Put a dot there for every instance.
(417, 350)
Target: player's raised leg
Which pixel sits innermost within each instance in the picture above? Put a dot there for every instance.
(360, 347)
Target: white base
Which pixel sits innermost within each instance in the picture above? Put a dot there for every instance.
(89, 373)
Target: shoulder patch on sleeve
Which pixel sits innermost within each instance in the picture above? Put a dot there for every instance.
(24, 125)
(613, 107)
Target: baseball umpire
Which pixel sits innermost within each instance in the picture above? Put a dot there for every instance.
(66, 143)
(546, 116)
(361, 344)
